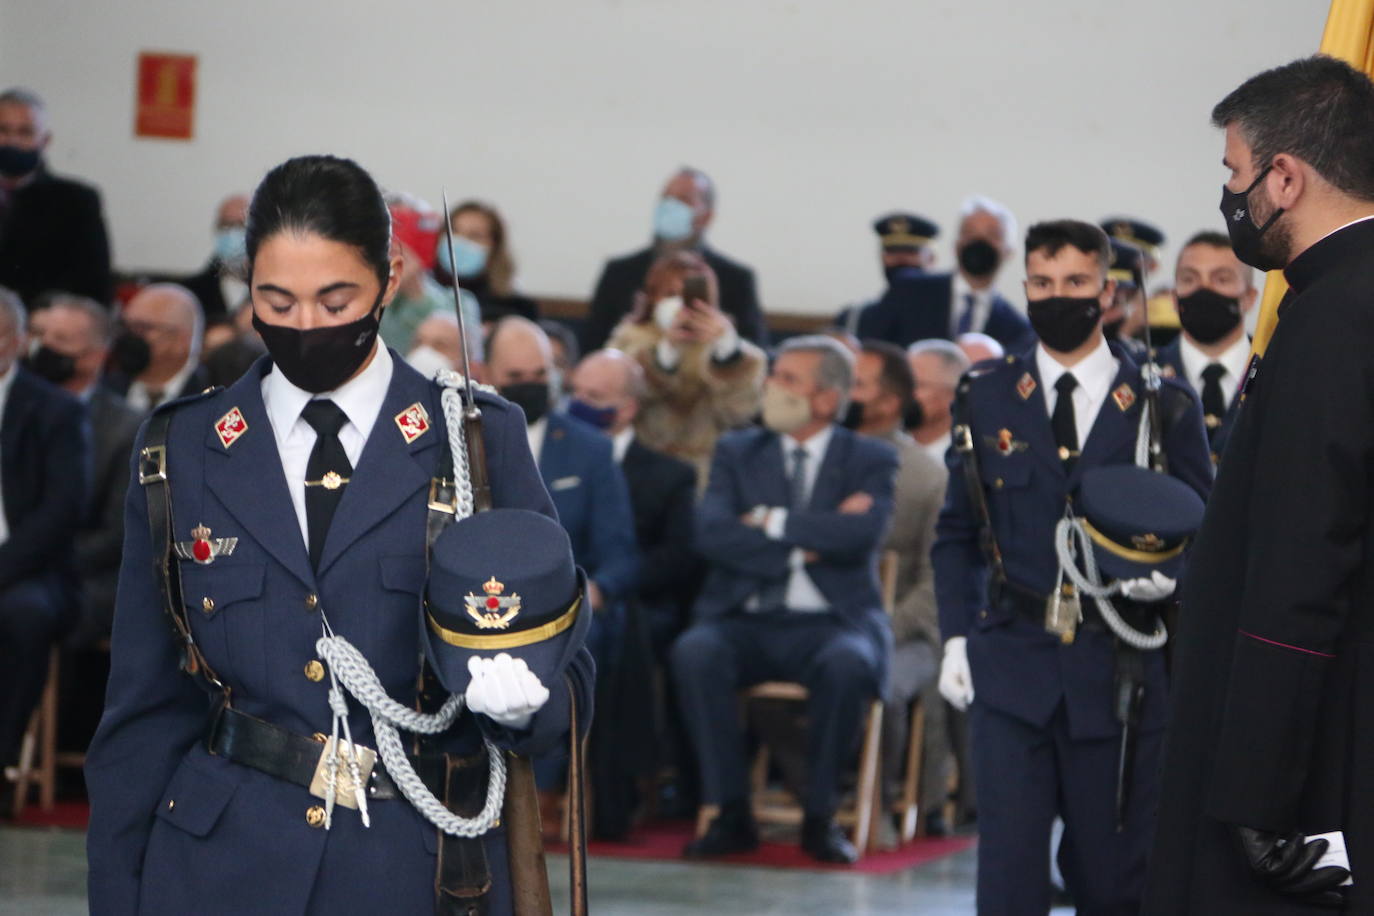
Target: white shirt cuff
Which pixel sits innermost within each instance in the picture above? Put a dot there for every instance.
(776, 523)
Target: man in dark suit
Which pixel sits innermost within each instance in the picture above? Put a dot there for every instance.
(684, 212)
(1269, 762)
(43, 475)
(219, 285)
(157, 356)
(1213, 291)
(52, 233)
(790, 526)
(918, 305)
(905, 251)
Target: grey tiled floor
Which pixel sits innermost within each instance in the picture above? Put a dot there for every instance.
(43, 873)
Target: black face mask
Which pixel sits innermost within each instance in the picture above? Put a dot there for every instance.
(47, 363)
(130, 354)
(1063, 323)
(913, 416)
(853, 415)
(320, 359)
(1247, 239)
(531, 397)
(979, 258)
(1207, 315)
(16, 162)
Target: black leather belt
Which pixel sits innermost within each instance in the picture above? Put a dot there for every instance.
(1025, 603)
(259, 744)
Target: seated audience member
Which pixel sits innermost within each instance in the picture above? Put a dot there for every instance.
(438, 347)
(606, 389)
(937, 365)
(416, 229)
(484, 264)
(156, 357)
(684, 212)
(222, 285)
(69, 348)
(566, 353)
(52, 233)
(790, 528)
(945, 305)
(882, 398)
(701, 378)
(577, 465)
(978, 347)
(228, 351)
(43, 469)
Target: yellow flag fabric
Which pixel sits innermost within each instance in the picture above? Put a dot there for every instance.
(1349, 35)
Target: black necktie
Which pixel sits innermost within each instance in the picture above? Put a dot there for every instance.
(966, 318)
(326, 474)
(1213, 398)
(798, 482)
(1065, 426)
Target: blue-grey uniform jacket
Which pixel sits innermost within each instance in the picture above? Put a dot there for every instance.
(175, 829)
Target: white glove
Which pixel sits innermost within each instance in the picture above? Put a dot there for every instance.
(505, 690)
(956, 681)
(1156, 588)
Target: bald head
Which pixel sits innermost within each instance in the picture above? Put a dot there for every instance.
(233, 211)
(170, 319)
(610, 379)
(518, 351)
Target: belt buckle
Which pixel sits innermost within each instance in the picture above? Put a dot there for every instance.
(343, 775)
(443, 496)
(152, 464)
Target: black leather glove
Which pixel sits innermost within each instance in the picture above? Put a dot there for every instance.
(1286, 864)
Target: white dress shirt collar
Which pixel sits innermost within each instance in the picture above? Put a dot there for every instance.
(535, 433)
(620, 443)
(1094, 373)
(360, 398)
(1235, 359)
(982, 305)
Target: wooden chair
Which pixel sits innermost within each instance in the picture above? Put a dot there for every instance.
(905, 805)
(777, 806)
(38, 753)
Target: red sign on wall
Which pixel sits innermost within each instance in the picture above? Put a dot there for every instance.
(166, 95)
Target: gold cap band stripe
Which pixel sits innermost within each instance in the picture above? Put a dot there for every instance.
(505, 640)
(1126, 553)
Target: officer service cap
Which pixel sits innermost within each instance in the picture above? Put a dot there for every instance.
(504, 581)
(1139, 520)
(1127, 264)
(905, 231)
(1137, 232)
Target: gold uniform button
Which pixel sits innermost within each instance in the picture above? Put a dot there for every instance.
(320, 737)
(208, 604)
(982, 615)
(171, 803)
(312, 601)
(314, 816)
(999, 483)
(314, 670)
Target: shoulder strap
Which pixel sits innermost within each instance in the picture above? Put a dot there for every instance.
(152, 474)
(973, 481)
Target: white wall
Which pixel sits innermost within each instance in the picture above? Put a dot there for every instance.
(813, 116)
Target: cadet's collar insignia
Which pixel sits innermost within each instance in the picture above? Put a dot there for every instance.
(413, 422)
(1150, 543)
(1124, 397)
(204, 549)
(1212, 420)
(1005, 444)
(1026, 387)
(231, 427)
(1168, 372)
(496, 611)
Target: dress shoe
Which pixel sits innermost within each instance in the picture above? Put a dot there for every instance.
(732, 831)
(936, 825)
(823, 841)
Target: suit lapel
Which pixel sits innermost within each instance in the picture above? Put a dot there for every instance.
(769, 474)
(248, 479)
(389, 471)
(553, 451)
(827, 491)
(17, 409)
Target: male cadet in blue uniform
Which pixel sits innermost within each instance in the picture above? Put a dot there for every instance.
(1214, 291)
(905, 240)
(949, 304)
(1128, 301)
(1046, 737)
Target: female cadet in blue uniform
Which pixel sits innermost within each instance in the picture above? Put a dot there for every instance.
(329, 420)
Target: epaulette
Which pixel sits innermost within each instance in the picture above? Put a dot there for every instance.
(188, 399)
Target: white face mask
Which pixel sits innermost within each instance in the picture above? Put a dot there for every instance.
(666, 310)
(428, 361)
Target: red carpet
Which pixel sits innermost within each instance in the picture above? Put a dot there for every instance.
(73, 815)
(663, 841)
